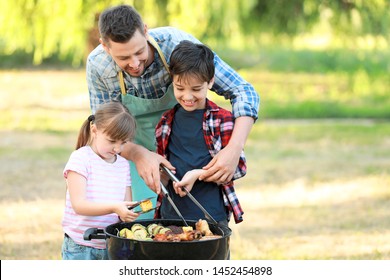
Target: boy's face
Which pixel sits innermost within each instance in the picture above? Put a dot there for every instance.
(133, 56)
(190, 92)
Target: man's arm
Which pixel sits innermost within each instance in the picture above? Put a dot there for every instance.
(245, 103)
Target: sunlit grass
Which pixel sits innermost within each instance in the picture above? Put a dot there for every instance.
(31, 229)
(332, 220)
(43, 100)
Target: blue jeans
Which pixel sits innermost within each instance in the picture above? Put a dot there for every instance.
(73, 251)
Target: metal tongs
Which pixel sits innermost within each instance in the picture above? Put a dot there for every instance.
(175, 179)
(164, 190)
(139, 203)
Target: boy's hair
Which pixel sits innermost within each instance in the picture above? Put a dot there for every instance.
(119, 24)
(191, 59)
(111, 118)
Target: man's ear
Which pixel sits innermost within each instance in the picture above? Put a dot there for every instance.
(210, 84)
(105, 47)
(146, 31)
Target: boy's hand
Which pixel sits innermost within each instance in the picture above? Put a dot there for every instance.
(187, 181)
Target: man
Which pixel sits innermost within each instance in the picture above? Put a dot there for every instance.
(131, 65)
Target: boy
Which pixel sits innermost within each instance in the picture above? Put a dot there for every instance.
(191, 134)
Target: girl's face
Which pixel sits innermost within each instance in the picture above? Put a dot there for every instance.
(191, 93)
(104, 146)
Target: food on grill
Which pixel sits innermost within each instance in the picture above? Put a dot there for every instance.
(146, 205)
(177, 237)
(208, 237)
(175, 229)
(159, 233)
(126, 233)
(189, 228)
(137, 226)
(203, 227)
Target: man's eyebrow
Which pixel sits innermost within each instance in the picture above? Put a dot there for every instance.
(123, 57)
(128, 56)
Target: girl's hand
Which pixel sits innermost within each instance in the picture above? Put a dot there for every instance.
(124, 213)
(187, 181)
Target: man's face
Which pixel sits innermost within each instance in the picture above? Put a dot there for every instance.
(132, 56)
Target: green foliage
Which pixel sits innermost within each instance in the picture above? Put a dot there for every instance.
(316, 84)
(277, 58)
(64, 28)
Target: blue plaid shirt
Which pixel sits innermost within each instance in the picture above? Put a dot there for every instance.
(103, 83)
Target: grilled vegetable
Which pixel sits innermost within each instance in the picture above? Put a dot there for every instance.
(189, 228)
(146, 205)
(150, 228)
(126, 233)
(137, 226)
(140, 234)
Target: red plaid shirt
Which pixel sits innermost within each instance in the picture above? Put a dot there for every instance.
(217, 129)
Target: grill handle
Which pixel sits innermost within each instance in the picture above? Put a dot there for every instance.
(94, 233)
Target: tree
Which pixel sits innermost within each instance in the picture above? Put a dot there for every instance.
(64, 27)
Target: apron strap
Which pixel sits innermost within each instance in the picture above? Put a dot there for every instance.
(160, 53)
(122, 82)
(156, 46)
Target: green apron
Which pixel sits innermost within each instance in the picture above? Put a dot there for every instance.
(147, 113)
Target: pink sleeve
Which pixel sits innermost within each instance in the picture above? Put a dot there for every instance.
(78, 163)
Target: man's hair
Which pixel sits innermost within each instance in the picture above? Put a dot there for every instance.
(119, 24)
(191, 59)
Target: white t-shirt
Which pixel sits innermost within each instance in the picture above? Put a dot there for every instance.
(106, 182)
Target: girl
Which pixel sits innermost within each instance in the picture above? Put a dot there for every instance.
(98, 181)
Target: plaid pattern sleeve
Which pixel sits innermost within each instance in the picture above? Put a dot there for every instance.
(102, 78)
(243, 97)
(163, 130)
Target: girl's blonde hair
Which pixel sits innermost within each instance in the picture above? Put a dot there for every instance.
(112, 119)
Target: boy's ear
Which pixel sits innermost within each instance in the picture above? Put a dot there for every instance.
(210, 84)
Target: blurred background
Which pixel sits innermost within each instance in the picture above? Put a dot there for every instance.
(318, 157)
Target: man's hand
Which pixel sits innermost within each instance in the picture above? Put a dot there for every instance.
(222, 167)
(148, 167)
(147, 164)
